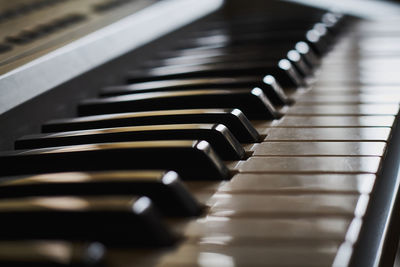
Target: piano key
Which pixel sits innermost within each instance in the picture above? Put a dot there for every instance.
(234, 119)
(216, 255)
(248, 37)
(51, 253)
(287, 206)
(245, 28)
(241, 22)
(191, 159)
(299, 184)
(299, 63)
(164, 188)
(283, 71)
(314, 37)
(217, 56)
(326, 36)
(319, 149)
(328, 134)
(355, 89)
(234, 58)
(217, 49)
(344, 109)
(300, 165)
(332, 22)
(349, 99)
(274, 230)
(116, 221)
(330, 121)
(253, 103)
(309, 57)
(268, 85)
(220, 138)
(302, 47)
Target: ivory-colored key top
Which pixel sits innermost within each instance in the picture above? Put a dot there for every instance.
(283, 206)
(330, 121)
(326, 164)
(382, 76)
(263, 230)
(298, 184)
(215, 255)
(350, 99)
(319, 148)
(361, 109)
(354, 89)
(328, 134)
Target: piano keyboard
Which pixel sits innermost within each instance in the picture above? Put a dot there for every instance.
(252, 140)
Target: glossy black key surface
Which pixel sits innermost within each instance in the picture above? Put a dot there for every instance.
(282, 70)
(253, 103)
(191, 159)
(272, 20)
(259, 27)
(309, 57)
(272, 37)
(234, 119)
(46, 253)
(218, 135)
(219, 49)
(273, 91)
(164, 188)
(117, 221)
(226, 57)
(219, 56)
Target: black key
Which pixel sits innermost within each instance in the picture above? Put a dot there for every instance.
(219, 137)
(303, 48)
(274, 93)
(253, 103)
(222, 56)
(259, 28)
(117, 221)
(277, 39)
(310, 58)
(316, 42)
(18, 39)
(299, 63)
(45, 253)
(333, 22)
(5, 48)
(217, 49)
(234, 119)
(245, 38)
(164, 188)
(283, 71)
(191, 159)
(219, 56)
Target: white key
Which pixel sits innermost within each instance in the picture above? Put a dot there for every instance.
(291, 183)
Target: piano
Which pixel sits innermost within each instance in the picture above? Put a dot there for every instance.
(199, 133)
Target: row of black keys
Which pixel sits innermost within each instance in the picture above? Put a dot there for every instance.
(182, 117)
